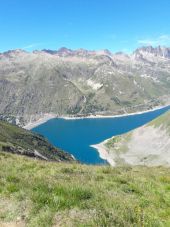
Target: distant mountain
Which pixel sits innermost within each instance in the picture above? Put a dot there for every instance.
(65, 52)
(148, 145)
(157, 52)
(16, 140)
(81, 82)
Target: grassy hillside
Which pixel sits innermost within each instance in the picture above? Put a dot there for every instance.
(39, 193)
(162, 121)
(147, 145)
(14, 139)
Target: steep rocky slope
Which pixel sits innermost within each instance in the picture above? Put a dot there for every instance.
(147, 145)
(14, 139)
(82, 82)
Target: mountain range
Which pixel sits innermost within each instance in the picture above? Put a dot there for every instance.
(81, 82)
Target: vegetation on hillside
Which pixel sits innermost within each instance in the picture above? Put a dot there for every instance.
(14, 139)
(39, 193)
(163, 121)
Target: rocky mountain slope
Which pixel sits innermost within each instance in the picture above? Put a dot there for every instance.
(16, 140)
(147, 145)
(80, 82)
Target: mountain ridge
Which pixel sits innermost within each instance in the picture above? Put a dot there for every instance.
(81, 82)
(158, 51)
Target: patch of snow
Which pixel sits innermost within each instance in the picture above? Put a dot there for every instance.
(134, 81)
(150, 77)
(40, 155)
(94, 85)
(110, 73)
(17, 121)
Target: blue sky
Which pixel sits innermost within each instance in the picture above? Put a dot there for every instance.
(118, 25)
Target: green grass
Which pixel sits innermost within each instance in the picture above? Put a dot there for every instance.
(39, 193)
(111, 142)
(118, 144)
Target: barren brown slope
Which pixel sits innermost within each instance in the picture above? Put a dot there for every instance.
(147, 145)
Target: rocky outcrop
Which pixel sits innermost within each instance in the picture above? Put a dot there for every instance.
(157, 51)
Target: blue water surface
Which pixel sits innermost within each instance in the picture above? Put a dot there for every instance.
(76, 136)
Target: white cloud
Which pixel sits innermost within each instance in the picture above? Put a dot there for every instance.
(33, 45)
(147, 42)
(164, 37)
(161, 40)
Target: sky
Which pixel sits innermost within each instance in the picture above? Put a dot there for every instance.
(117, 25)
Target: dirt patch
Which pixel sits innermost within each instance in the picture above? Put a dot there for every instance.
(12, 213)
(74, 217)
(13, 224)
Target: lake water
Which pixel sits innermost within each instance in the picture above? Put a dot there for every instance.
(76, 136)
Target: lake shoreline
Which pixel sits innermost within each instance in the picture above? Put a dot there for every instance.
(41, 120)
(134, 155)
(48, 116)
(103, 154)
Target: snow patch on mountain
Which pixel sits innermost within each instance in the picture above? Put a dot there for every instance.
(94, 85)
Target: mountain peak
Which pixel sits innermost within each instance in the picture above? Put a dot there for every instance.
(14, 52)
(158, 51)
(64, 51)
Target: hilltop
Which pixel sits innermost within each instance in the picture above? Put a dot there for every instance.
(81, 82)
(14, 139)
(147, 145)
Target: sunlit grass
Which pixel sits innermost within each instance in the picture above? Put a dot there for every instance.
(57, 194)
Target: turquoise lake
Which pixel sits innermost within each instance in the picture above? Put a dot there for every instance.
(76, 136)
